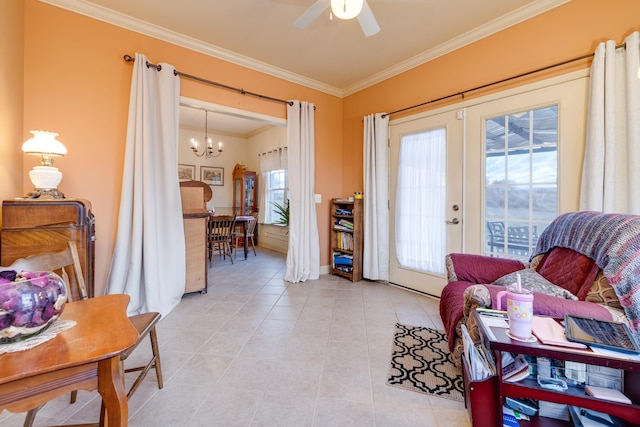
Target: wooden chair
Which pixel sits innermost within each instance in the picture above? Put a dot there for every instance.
(238, 237)
(219, 236)
(67, 265)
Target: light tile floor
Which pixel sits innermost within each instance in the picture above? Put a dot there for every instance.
(257, 351)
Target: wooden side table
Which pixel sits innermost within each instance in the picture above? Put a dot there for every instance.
(497, 341)
(85, 357)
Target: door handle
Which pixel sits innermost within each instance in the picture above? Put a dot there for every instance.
(454, 221)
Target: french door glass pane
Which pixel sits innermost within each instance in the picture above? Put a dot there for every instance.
(521, 179)
(421, 198)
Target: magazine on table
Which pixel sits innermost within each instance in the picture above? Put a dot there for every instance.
(514, 368)
(480, 360)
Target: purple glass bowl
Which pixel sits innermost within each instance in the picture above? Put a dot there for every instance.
(29, 304)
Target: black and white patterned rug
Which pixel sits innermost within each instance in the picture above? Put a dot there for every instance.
(421, 361)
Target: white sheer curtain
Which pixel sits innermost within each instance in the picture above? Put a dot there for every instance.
(303, 256)
(375, 262)
(270, 160)
(262, 196)
(611, 173)
(149, 256)
(420, 201)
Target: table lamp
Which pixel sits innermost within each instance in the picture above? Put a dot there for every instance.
(45, 178)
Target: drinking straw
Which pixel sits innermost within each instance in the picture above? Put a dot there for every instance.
(519, 283)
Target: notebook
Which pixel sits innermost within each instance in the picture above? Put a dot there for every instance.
(550, 332)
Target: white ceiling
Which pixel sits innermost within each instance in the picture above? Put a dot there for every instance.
(333, 56)
(230, 124)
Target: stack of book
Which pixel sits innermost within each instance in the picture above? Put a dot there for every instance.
(344, 224)
(344, 241)
(343, 262)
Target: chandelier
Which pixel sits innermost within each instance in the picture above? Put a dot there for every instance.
(208, 150)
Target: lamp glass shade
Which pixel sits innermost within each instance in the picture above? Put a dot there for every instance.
(44, 143)
(346, 9)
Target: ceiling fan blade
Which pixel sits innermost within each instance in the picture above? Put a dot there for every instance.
(312, 13)
(368, 21)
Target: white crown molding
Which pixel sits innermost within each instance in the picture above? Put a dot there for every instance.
(520, 15)
(127, 22)
(118, 19)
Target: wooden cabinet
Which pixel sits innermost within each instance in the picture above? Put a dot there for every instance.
(31, 227)
(346, 238)
(195, 218)
(245, 195)
(195, 237)
(245, 192)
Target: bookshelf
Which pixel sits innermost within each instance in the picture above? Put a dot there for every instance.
(346, 238)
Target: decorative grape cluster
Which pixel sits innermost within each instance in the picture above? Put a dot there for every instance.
(29, 303)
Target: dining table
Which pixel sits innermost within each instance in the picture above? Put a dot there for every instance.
(84, 357)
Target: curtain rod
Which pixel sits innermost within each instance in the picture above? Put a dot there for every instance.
(558, 64)
(158, 67)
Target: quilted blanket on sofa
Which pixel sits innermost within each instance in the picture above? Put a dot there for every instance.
(613, 241)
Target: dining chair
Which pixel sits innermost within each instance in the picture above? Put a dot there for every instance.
(238, 236)
(219, 236)
(67, 265)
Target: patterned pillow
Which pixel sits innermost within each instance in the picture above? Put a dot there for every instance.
(536, 261)
(451, 269)
(534, 281)
(602, 292)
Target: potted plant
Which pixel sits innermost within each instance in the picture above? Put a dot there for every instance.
(283, 213)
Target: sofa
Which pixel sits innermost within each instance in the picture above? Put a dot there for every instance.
(584, 263)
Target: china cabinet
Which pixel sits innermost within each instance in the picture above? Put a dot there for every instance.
(245, 194)
(245, 191)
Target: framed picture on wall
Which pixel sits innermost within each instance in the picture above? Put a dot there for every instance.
(186, 172)
(212, 175)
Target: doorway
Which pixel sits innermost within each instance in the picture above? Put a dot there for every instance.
(244, 135)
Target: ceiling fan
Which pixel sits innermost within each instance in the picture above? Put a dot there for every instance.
(343, 9)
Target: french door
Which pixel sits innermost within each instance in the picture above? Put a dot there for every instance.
(425, 183)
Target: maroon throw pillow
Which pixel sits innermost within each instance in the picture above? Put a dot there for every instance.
(570, 270)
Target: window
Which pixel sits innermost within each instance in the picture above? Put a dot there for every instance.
(521, 179)
(277, 192)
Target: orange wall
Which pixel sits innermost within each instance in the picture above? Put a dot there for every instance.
(77, 84)
(568, 31)
(11, 71)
